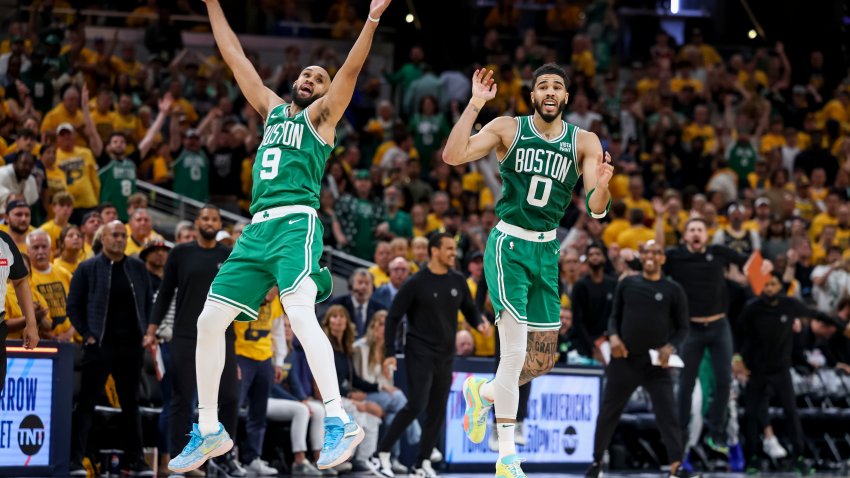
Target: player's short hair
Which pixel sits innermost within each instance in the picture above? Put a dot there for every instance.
(550, 69)
(115, 134)
(360, 271)
(62, 199)
(38, 233)
(696, 219)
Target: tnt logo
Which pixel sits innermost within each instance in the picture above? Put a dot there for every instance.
(570, 440)
(31, 435)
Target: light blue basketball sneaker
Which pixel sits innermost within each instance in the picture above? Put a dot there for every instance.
(340, 442)
(200, 449)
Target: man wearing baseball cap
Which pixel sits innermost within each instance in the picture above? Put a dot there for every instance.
(80, 171)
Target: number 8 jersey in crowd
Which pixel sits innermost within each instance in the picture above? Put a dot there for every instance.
(290, 162)
(538, 177)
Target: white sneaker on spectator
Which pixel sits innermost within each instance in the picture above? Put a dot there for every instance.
(344, 467)
(329, 472)
(519, 433)
(305, 468)
(261, 467)
(436, 455)
(424, 470)
(398, 468)
(773, 448)
(380, 465)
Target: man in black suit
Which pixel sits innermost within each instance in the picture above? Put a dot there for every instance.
(359, 303)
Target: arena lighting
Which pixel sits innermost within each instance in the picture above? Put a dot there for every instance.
(674, 6)
(752, 34)
(409, 18)
(40, 350)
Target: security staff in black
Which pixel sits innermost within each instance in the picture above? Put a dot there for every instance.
(700, 269)
(431, 300)
(650, 312)
(766, 328)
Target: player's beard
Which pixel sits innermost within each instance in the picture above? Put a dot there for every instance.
(302, 102)
(545, 116)
(208, 234)
(596, 267)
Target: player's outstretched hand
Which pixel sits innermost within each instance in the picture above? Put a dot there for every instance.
(483, 84)
(604, 170)
(377, 8)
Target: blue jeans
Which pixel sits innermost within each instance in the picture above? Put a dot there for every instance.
(257, 381)
(392, 403)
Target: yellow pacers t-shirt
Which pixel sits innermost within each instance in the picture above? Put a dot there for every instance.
(59, 115)
(254, 339)
(54, 284)
(81, 176)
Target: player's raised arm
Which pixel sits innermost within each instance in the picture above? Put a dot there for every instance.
(597, 170)
(460, 147)
(261, 98)
(329, 109)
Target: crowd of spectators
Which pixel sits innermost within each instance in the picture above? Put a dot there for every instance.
(728, 137)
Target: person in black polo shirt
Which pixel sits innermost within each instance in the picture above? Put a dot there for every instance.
(700, 268)
(766, 327)
(649, 313)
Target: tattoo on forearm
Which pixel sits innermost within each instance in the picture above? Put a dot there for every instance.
(539, 355)
(475, 109)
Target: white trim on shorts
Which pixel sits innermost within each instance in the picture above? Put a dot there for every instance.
(281, 211)
(308, 257)
(253, 314)
(525, 234)
(500, 281)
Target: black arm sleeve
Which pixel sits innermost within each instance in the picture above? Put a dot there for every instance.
(166, 289)
(616, 311)
(681, 320)
(398, 309)
(18, 270)
(803, 311)
(362, 385)
(470, 311)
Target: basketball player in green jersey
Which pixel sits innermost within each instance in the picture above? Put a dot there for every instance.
(541, 159)
(283, 243)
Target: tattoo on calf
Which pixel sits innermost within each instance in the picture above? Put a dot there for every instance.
(540, 354)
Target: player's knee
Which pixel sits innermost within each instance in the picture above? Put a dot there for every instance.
(303, 296)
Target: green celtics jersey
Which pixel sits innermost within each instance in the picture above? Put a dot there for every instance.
(290, 162)
(538, 177)
(117, 183)
(191, 175)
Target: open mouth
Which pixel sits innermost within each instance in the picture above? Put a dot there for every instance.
(306, 89)
(550, 105)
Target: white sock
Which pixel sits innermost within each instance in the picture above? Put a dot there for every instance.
(503, 390)
(507, 446)
(209, 361)
(300, 307)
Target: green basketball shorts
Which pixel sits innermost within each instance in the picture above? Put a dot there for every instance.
(281, 246)
(521, 269)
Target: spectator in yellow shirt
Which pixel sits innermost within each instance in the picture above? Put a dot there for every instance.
(66, 112)
(380, 271)
(62, 205)
(126, 121)
(181, 105)
(141, 231)
(102, 115)
(709, 53)
(774, 138)
(701, 129)
(618, 223)
(582, 57)
(80, 168)
(637, 233)
(56, 180)
(51, 282)
(69, 250)
(509, 95)
(838, 109)
(127, 64)
(439, 205)
(635, 199)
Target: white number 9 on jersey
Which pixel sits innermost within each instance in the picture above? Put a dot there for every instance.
(533, 187)
(271, 160)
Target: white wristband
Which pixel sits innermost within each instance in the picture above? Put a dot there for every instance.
(376, 20)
